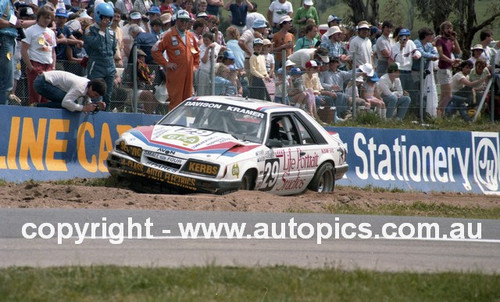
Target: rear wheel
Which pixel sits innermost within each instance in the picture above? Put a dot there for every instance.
(247, 181)
(324, 179)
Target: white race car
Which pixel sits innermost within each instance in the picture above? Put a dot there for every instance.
(218, 144)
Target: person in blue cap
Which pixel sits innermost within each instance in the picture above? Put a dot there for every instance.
(101, 44)
(64, 37)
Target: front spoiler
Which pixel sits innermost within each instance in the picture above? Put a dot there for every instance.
(153, 180)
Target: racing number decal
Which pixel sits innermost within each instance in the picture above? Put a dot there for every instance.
(271, 171)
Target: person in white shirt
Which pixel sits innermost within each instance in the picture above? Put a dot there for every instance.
(392, 93)
(383, 48)
(360, 46)
(278, 9)
(69, 91)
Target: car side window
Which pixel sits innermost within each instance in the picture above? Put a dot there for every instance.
(283, 129)
(305, 136)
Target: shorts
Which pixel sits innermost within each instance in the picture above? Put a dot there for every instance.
(443, 76)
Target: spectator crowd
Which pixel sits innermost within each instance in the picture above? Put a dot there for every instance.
(174, 49)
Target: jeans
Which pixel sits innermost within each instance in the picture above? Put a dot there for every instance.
(49, 91)
(459, 104)
(279, 99)
(7, 45)
(392, 102)
(381, 68)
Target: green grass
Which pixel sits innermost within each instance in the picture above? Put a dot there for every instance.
(110, 283)
(417, 208)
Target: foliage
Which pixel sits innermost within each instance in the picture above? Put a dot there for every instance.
(363, 10)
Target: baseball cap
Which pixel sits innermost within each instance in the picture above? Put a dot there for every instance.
(285, 18)
(323, 54)
(296, 71)
(258, 41)
(374, 77)
(289, 63)
(311, 64)
(266, 42)
(393, 68)
(135, 16)
(259, 23)
(333, 30)
(332, 18)
(308, 2)
(228, 55)
(154, 10)
(61, 12)
(404, 32)
(202, 15)
(182, 14)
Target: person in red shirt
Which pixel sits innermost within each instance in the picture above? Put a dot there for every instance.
(183, 58)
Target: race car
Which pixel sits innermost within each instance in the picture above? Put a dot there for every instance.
(220, 144)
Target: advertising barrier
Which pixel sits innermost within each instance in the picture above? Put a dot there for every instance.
(422, 160)
(52, 144)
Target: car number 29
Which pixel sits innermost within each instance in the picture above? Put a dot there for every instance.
(271, 171)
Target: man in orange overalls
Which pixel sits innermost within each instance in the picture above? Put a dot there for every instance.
(183, 58)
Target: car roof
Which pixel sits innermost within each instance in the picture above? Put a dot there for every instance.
(248, 103)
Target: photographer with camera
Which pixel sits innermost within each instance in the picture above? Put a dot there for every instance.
(447, 47)
(69, 91)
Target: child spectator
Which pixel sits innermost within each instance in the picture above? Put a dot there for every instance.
(258, 72)
(370, 95)
(38, 50)
(297, 89)
(360, 102)
(266, 52)
(278, 93)
(203, 73)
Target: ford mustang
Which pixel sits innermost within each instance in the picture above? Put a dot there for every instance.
(219, 144)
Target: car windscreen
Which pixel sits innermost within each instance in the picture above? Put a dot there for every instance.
(243, 123)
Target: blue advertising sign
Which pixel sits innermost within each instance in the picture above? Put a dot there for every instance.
(422, 160)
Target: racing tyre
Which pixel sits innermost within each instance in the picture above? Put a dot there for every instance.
(324, 179)
(247, 181)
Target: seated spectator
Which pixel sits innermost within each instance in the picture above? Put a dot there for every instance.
(480, 71)
(477, 52)
(370, 94)
(461, 88)
(278, 82)
(392, 94)
(355, 87)
(334, 80)
(309, 39)
(297, 91)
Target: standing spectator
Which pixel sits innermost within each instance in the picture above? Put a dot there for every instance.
(283, 39)
(203, 84)
(202, 8)
(239, 10)
(383, 48)
(125, 6)
(233, 35)
(477, 52)
(183, 57)
(166, 19)
(100, 44)
(119, 38)
(213, 27)
(143, 41)
(8, 34)
(307, 11)
(247, 38)
(253, 15)
(213, 7)
(429, 53)
(309, 39)
(142, 6)
(199, 28)
(361, 46)
(266, 52)
(446, 45)
(335, 46)
(38, 50)
(331, 21)
(392, 94)
(403, 53)
(278, 9)
(76, 55)
(258, 72)
(64, 36)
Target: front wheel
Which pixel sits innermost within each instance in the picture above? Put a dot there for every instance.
(247, 181)
(324, 179)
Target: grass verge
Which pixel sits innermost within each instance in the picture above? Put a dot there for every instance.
(211, 283)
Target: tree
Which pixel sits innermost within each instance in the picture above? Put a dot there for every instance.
(363, 10)
(438, 11)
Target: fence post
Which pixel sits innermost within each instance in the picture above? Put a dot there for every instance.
(212, 71)
(492, 100)
(422, 89)
(353, 94)
(284, 93)
(134, 78)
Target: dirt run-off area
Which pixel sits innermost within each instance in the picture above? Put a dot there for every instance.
(53, 195)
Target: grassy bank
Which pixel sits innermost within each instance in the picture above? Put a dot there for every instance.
(109, 283)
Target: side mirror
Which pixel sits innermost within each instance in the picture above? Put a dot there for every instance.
(274, 143)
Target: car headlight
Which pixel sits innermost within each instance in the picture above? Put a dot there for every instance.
(132, 151)
(201, 168)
